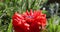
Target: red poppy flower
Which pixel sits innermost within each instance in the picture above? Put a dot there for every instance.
(29, 21)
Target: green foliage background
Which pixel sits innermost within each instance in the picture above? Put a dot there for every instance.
(8, 7)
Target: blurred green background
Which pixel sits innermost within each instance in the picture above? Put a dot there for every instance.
(51, 9)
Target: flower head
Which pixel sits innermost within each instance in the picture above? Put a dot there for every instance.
(29, 21)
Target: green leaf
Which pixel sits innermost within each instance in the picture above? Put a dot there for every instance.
(10, 27)
(32, 5)
(58, 28)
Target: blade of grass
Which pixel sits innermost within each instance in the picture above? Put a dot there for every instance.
(10, 27)
(27, 4)
(32, 5)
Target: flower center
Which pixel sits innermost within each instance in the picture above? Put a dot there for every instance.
(30, 17)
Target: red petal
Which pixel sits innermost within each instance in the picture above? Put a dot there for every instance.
(31, 13)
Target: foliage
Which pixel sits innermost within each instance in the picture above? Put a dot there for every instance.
(8, 7)
(53, 24)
